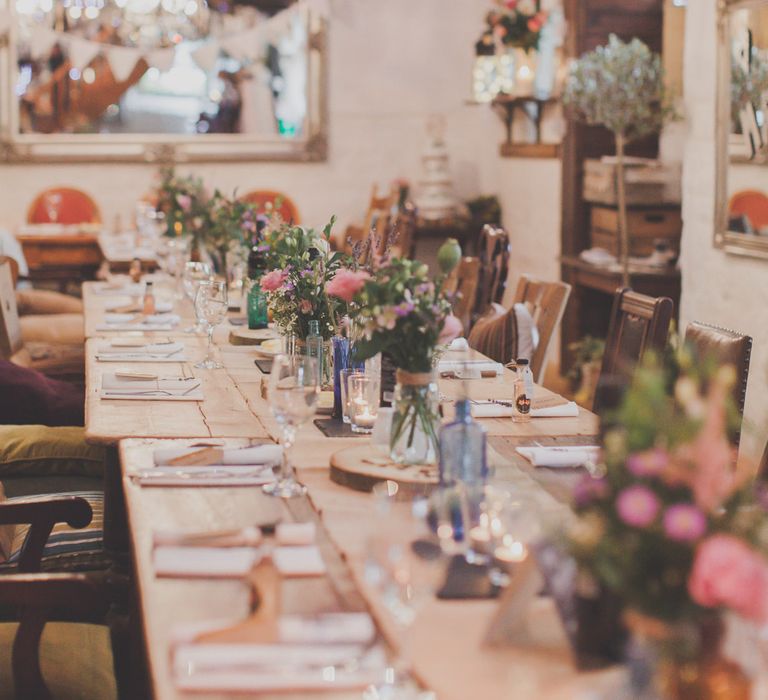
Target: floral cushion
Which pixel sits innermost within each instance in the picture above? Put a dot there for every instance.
(67, 549)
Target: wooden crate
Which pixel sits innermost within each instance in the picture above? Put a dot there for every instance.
(645, 225)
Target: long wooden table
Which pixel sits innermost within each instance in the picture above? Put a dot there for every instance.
(446, 650)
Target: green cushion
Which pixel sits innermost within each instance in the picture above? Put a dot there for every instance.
(76, 661)
(38, 450)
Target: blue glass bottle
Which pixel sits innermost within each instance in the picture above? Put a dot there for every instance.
(463, 450)
(340, 346)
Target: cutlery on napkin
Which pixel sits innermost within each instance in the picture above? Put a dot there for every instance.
(492, 408)
(566, 456)
(166, 388)
(147, 351)
(243, 537)
(469, 369)
(204, 476)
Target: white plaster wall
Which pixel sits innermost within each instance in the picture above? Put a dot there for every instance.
(529, 190)
(391, 65)
(717, 287)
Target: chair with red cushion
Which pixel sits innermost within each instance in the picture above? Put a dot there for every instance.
(63, 205)
(269, 200)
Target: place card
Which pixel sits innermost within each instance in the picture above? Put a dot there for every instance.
(298, 561)
(205, 562)
(202, 457)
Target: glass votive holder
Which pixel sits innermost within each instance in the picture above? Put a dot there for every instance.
(382, 430)
(345, 374)
(363, 393)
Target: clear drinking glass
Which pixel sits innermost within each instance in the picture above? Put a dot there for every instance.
(293, 392)
(363, 392)
(211, 306)
(345, 374)
(194, 273)
(179, 251)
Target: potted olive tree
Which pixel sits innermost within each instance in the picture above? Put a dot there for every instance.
(620, 86)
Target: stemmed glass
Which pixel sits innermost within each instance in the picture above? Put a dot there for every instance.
(293, 391)
(211, 306)
(195, 273)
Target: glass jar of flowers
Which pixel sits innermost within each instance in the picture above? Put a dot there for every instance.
(402, 311)
(183, 201)
(674, 530)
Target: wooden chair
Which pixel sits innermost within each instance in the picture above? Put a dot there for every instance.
(378, 217)
(493, 250)
(57, 360)
(463, 283)
(269, 200)
(63, 205)
(546, 301)
(29, 599)
(638, 323)
(14, 267)
(723, 347)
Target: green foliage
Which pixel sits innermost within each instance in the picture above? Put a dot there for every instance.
(620, 86)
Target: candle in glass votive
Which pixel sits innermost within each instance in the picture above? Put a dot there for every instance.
(480, 539)
(510, 551)
(365, 419)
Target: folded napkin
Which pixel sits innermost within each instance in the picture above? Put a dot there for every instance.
(163, 318)
(295, 534)
(204, 476)
(173, 352)
(268, 455)
(576, 456)
(119, 318)
(166, 389)
(328, 628)
(161, 307)
(491, 409)
(470, 366)
(205, 562)
(244, 537)
(458, 345)
(298, 561)
(127, 289)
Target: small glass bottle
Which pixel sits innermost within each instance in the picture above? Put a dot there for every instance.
(258, 316)
(149, 307)
(523, 391)
(134, 271)
(463, 449)
(315, 346)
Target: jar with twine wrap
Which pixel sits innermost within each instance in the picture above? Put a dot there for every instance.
(413, 439)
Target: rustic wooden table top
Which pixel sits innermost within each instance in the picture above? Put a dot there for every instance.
(446, 642)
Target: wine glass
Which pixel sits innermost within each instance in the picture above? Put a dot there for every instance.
(293, 391)
(194, 273)
(406, 566)
(211, 306)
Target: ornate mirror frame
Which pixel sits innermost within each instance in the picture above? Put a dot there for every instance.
(730, 241)
(162, 148)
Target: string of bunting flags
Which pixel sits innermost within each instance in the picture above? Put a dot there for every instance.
(244, 45)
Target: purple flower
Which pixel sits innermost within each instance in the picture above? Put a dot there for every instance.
(404, 308)
(589, 489)
(648, 463)
(637, 506)
(684, 522)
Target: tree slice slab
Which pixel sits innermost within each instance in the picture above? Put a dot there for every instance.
(361, 468)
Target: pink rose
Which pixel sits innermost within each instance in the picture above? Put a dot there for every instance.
(452, 328)
(272, 281)
(727, 572)
(184, 201)
(346, 284)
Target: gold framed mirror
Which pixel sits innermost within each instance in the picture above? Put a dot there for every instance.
(742, 128)
(162, 81)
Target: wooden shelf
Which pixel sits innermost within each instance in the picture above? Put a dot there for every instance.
(530, 150)
(506, 106)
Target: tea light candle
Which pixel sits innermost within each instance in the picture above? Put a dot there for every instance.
(510, 551)
(480, 538)
(364, 419)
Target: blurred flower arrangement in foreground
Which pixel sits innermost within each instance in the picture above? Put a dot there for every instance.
(674, 529)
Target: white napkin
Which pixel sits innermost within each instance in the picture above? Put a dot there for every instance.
(576, 456)
(489, 409)
(163, 389)
(476, 366)
(205, 562)
(216, 475)
(127, 289)
(268, 455)
(163, 318)
(328, 628)
(295, 534)
(298, 561)
(119, 318)
(458, 345)
(565, 410)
